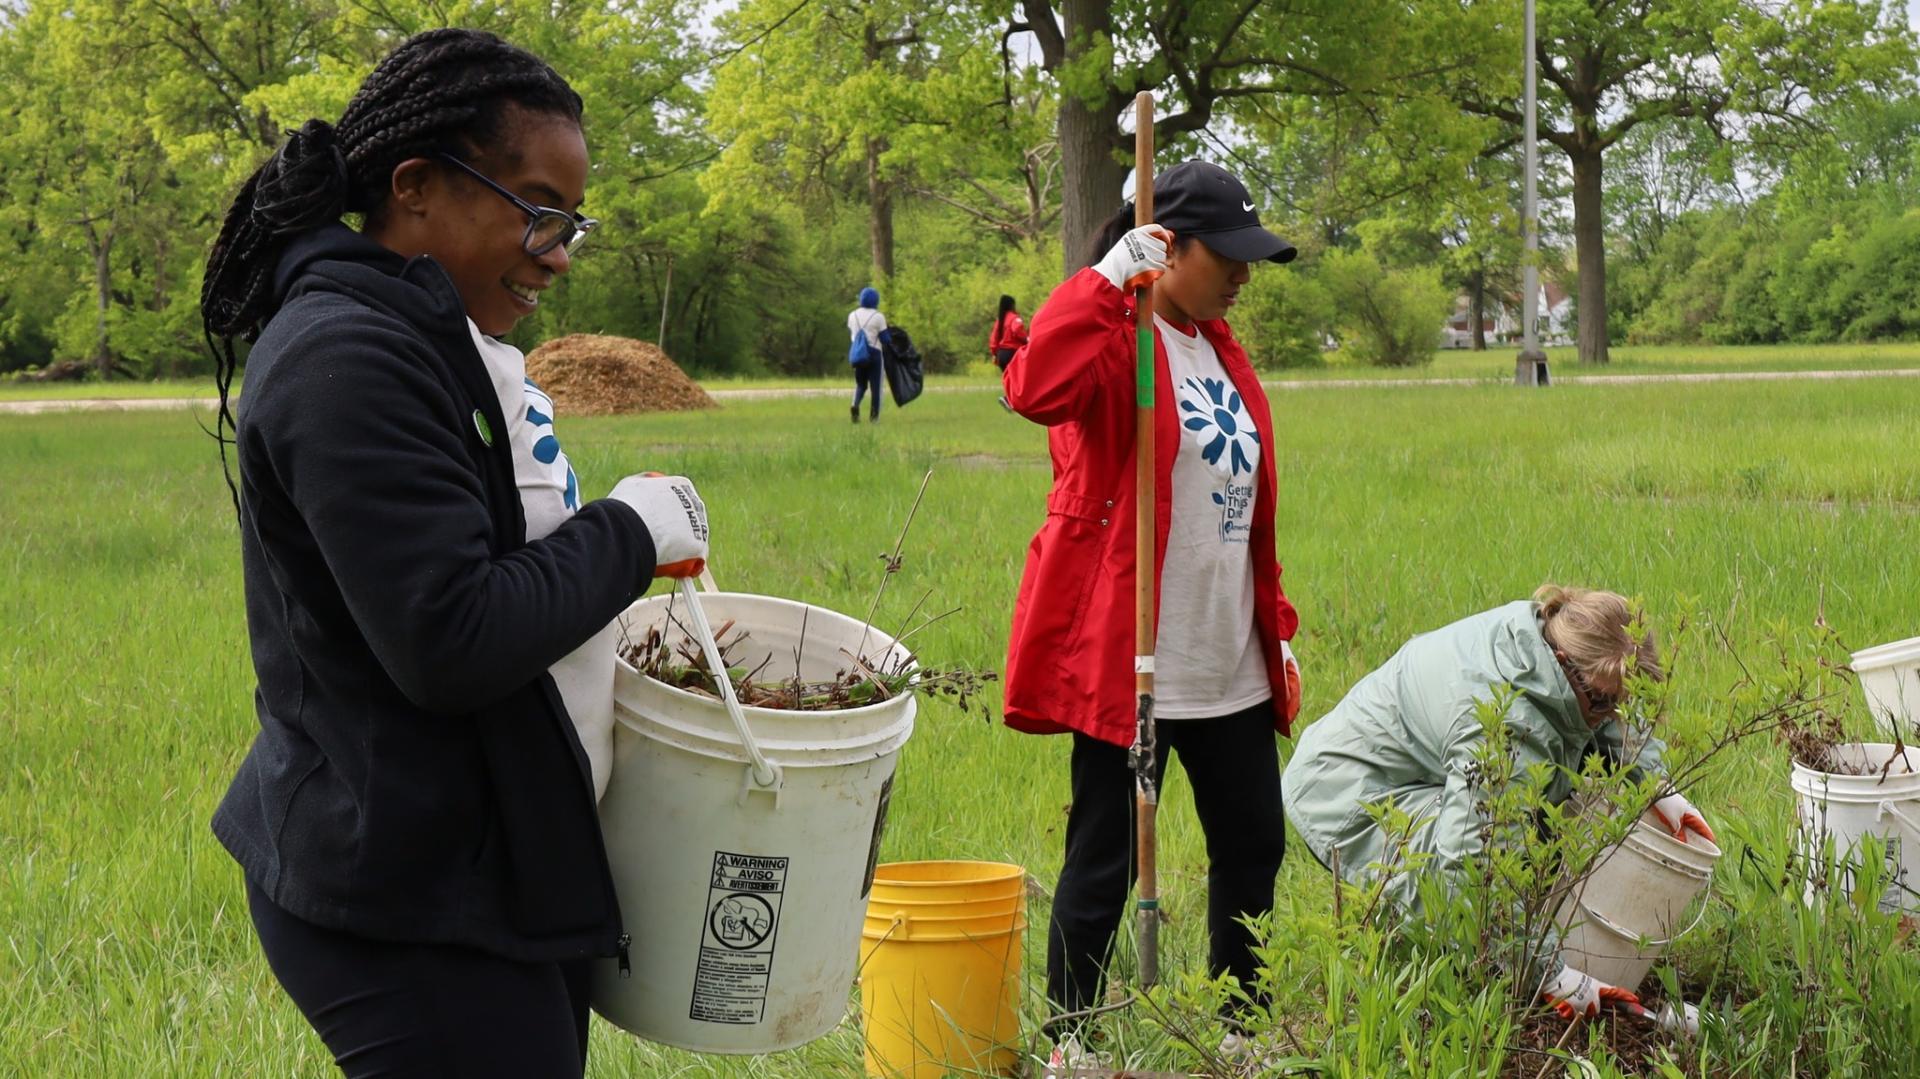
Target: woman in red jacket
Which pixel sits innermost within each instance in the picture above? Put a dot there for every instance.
(1225, 680)
(1009, 333)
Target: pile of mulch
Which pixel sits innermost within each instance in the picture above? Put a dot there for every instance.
(1634, 1045)
(590, 374)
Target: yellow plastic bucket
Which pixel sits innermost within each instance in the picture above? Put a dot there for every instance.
(940, 968)
(946, 882)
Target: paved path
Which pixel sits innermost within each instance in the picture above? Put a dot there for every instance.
(147, 404)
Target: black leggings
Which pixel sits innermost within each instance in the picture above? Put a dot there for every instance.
(865, 375)
(424, 1010)
(1233, 764)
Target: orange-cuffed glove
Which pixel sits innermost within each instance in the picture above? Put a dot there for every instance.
(1680, 817)
(1573, 993)
(1139, 258)
(675, 517)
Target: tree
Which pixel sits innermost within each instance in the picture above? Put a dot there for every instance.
(1752, 71)
(103, 205)
(1198, 56)
(841, 98)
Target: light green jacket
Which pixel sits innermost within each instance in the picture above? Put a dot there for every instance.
(1409, 732)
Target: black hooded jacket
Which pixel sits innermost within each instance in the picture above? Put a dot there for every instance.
(416, 777)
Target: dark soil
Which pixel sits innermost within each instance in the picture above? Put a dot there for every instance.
(1633, 1043)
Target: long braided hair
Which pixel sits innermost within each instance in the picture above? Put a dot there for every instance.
(439, 91)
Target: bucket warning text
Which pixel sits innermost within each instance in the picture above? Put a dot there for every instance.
(737, 941)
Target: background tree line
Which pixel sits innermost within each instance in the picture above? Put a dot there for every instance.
(1740, 170)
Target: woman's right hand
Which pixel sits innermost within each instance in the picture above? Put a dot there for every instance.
(1572, 993)
(1137, 259)
(674, 515)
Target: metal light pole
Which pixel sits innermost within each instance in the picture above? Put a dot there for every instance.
(1530, 367)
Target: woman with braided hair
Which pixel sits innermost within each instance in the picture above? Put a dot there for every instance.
(428, 600)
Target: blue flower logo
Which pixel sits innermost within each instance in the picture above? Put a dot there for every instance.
(1217, 421)
(546, 448)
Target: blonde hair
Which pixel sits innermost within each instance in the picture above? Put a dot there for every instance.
(1593, 629)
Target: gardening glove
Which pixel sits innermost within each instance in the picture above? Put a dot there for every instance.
(1680, 816)
(1138, 259)
(1573, 993)
(1293, 680)
(674, 515)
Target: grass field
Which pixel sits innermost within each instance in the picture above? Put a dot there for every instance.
(1496, 364)
(125, 691)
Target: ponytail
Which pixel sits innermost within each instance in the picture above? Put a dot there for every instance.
(302, 186)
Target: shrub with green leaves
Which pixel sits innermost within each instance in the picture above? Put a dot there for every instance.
(1387, 317)
(1786, 986)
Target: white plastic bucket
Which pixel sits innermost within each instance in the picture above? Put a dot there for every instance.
(1620, 919)
(745, 902)
(1846, 807)
(1890, 679)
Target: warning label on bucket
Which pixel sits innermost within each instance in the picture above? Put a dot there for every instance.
(736, 943)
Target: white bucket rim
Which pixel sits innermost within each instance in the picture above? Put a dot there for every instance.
(1887, 655)
(878, 741)
(1696, 856)
(1850, 787)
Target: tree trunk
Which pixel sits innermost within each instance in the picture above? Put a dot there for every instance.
(103, 288)
(1589, 245)
(880, 207)
(1091, 177)
(1477, 294)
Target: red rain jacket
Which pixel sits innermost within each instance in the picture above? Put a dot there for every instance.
(1008, 332)
(1070, 660)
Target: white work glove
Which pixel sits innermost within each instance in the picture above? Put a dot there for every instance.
(676, 517)
(1681, 817)
(1138, 259)
(1572, 993)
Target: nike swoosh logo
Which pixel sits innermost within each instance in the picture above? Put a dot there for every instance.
(1247, 206)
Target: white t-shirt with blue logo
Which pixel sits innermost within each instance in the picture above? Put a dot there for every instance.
(549, 494)
(1207, 657)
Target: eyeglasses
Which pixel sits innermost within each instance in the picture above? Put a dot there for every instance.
(547, 228)
(1600, 704)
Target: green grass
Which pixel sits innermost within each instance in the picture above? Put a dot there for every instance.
(114, 388)
(125, 687)
(1495, 364)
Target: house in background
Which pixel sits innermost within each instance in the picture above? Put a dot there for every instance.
(1502, 323)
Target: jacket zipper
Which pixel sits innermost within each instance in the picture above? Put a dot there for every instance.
(626, 967)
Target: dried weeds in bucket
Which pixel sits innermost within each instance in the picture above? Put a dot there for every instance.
(864, 680)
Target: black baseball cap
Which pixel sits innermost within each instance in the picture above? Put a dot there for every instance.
(1205, 201)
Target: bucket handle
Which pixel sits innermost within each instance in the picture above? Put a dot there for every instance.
(899, 922)
(765, 772)
(1622, 931)
(1892, 809)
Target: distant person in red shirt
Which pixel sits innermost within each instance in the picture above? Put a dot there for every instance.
(1009, 333)
(1225, 679)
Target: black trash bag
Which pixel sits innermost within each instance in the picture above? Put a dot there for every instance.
(904, 375)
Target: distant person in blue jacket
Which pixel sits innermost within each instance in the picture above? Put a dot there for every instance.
(865, 324)
(426, 593)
